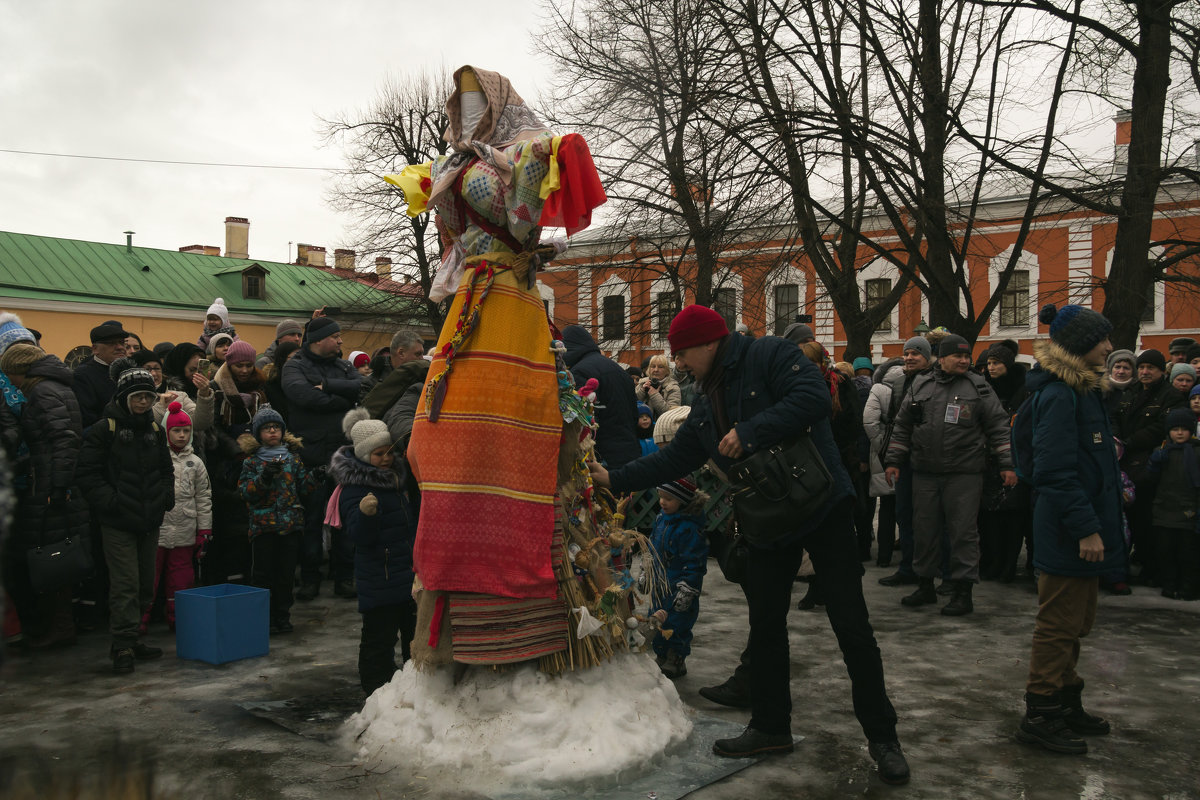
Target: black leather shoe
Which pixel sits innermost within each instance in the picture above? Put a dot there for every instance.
(893, 767)
(730, 693)
(945, 588)
(345, 589)
(308, 591)
(898, 578)
(144, 652)
(753, 743)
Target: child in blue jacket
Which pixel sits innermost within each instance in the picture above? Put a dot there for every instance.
(680, 544)
(381, 523)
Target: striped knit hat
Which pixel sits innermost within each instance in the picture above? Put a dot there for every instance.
(682, 490)
(130, 379)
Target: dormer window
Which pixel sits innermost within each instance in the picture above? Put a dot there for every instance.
(254, 283)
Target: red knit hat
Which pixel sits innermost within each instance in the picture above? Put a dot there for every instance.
(695, 325)
(177, 417)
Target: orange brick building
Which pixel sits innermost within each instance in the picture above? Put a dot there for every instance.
(614, 289)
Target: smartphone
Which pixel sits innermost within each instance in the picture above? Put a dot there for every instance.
(332, 311)
(204, 365)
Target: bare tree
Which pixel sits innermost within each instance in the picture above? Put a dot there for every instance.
(1129, 54)
(868, 99)
(402, 127)
(652, 86)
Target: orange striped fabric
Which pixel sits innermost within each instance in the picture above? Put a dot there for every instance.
(488, 467)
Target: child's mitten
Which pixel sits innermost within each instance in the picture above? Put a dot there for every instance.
(684, 594)
(369, 505)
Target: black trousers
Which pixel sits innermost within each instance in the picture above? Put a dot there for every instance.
(381, 626)
(769, 591)
(273, 567)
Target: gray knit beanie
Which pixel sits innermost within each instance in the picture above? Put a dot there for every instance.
(1120, 355)
(921, 345)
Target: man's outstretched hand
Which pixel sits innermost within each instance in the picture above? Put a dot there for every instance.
(599, 474)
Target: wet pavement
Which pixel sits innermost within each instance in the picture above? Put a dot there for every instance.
(269, 727)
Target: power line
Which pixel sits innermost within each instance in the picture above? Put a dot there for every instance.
(164, 161)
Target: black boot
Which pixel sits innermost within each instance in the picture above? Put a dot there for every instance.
(960, 603)
(924, 595)
(1078, 720)
(1045, 724)
(753, 743)
(893, 767)
(898, 578)
(673, 666)
(733, 693)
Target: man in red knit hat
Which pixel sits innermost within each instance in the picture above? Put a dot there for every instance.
(754, 394)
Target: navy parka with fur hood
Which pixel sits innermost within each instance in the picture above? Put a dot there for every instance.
(1076, 479)
(383, 541)
(772, 391)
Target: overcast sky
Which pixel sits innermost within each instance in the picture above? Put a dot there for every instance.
(218, 81)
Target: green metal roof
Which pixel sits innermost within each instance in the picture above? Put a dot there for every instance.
(42, 267)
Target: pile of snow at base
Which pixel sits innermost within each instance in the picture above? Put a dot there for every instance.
(522, 727)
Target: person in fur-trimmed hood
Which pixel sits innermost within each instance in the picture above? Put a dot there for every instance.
(382, 524)
(679, 542)
(274, 484)
(1076, 519)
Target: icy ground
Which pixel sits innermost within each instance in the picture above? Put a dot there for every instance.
(497, 731)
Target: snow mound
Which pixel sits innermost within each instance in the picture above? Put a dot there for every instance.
(522, 727)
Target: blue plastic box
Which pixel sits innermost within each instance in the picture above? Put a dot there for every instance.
(222, 623)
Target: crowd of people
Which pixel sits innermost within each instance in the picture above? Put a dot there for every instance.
(163, 468)
(211, 462)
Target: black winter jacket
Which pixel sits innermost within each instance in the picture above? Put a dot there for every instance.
(383, 542)
(616, 401)
(94, 388)
(1141, 421)
(771, 392)
(51, 427)
(125, 470)
(315, 415)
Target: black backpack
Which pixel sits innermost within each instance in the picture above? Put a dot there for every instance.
(1020, 435)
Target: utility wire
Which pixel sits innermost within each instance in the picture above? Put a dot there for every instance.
(163, 161)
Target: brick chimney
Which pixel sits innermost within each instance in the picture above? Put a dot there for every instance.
(1124, 127)
(310, 255)
(343, 258)
(237, 237)
(383, 267)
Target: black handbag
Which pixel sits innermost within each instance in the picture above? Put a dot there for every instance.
(729, 548)
(59, 565)
(775, 490)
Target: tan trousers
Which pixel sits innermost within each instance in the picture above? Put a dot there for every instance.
(1066, 612)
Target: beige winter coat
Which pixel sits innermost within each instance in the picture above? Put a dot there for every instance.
(668, 396)
(193, 502)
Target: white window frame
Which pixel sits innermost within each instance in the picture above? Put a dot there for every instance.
(788, 274)
(1160, 295)
(727, 279)
(876, 269)
(614, 285)
(1026, 261)
(660, 286)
